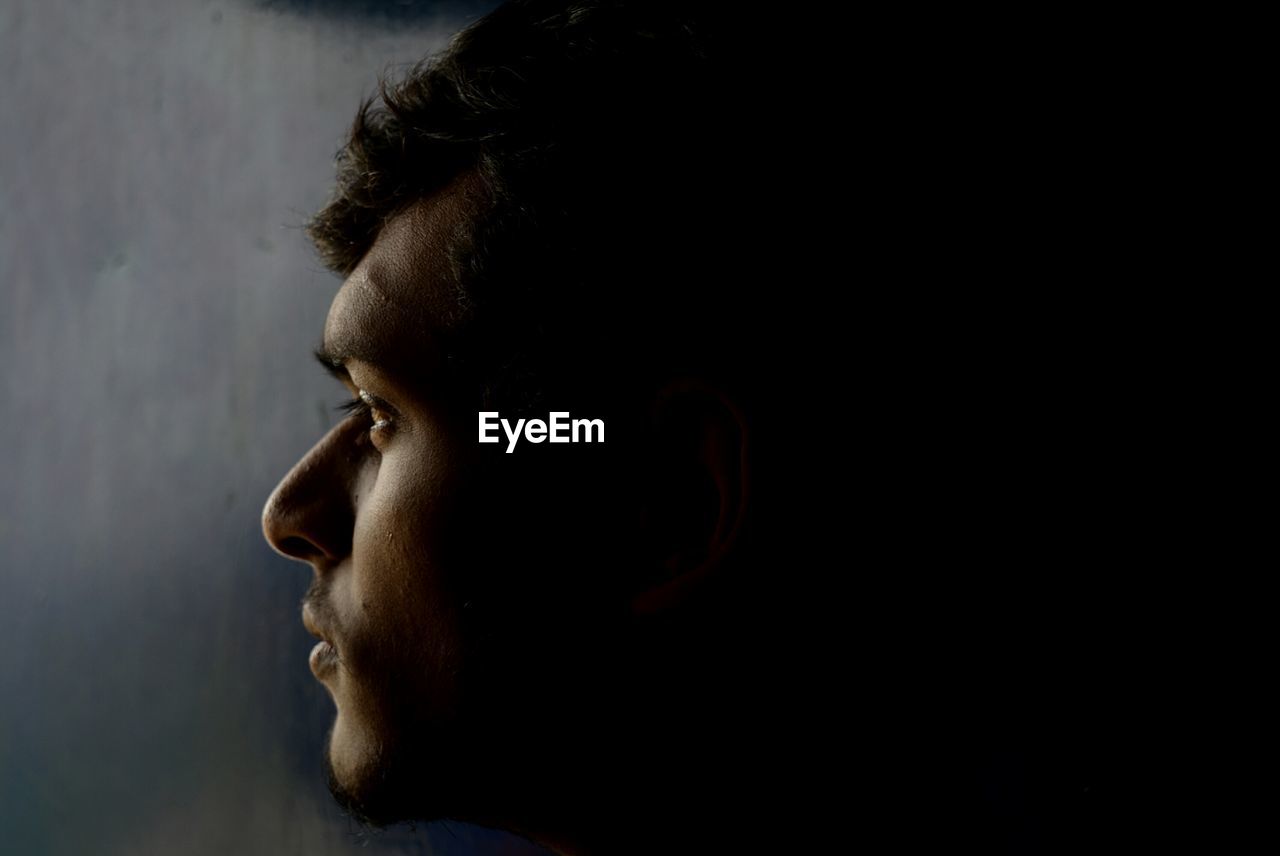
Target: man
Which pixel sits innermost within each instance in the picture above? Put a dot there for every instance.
(838, 444)
(548, 542)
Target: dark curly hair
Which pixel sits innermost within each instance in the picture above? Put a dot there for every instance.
(621, 154)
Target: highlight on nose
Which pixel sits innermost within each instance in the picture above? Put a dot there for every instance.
(280, 528)
(311, 513)
(308, 516)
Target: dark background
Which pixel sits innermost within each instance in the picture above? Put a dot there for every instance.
(160, 302)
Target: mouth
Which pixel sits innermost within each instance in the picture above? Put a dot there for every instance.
(324, 658)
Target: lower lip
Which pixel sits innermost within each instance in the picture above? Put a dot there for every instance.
(324, 659)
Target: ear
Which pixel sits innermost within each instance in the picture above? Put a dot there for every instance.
(697, 487)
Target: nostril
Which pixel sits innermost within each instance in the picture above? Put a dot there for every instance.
(310, 515)
(298, 548)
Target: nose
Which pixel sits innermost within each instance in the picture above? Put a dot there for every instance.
(311, 513)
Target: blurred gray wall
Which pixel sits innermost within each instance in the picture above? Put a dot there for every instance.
(158, 302)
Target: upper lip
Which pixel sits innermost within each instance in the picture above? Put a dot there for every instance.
(309, 622)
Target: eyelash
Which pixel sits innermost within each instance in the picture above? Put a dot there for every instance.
(362, 408)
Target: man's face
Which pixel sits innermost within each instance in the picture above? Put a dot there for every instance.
(376, 508)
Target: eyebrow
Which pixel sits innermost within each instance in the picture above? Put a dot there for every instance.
(333, 364)
(333, 356)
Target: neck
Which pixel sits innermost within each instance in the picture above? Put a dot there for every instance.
(660, 800)
(688, 774)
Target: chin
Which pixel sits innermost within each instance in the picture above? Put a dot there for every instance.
(379, 780)
(359, 776)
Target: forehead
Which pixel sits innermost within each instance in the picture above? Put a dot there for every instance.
(403, 293)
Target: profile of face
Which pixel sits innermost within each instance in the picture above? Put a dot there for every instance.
(375, 509)
(490, 623)
(472, 615)
(460, 594)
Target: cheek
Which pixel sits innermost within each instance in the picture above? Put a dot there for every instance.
(405, 616)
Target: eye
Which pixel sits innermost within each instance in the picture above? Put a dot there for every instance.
(378, 412)
(369, 408)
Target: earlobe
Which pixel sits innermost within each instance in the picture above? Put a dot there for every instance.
(697, 491)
